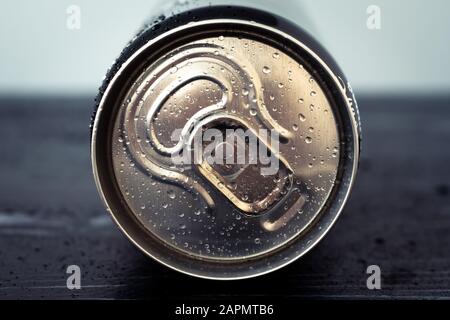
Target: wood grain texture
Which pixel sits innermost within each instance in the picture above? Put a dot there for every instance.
(398, 216)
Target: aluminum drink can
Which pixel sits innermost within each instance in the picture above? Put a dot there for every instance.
(225, 141)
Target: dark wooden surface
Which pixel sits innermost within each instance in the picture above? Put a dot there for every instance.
(398, 216)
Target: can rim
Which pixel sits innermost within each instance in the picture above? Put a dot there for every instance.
(337, 82)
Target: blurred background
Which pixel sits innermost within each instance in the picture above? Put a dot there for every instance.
(396, 54)
(41, 55)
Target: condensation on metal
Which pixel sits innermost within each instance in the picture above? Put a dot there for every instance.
(226, 222)
(210, 81)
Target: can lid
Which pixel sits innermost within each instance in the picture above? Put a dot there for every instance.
(228, 151)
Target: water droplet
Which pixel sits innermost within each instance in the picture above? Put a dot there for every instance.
(302, 117)
(173, 70)
(257, 240)
(308, 140)
(171, 194)
(295, 127)
(253, 111)
(276, 55)
(266, 70)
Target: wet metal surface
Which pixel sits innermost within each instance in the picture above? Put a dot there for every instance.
(234, 83)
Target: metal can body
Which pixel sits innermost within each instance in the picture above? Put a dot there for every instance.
(178, 133)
